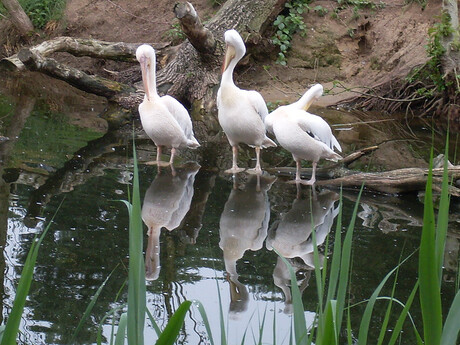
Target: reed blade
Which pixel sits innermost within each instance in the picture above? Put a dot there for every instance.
(136, 274)
(172, 329)
(452, 324)
(430, 294)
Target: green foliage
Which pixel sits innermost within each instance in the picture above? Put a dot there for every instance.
(175, 34)
(432, 72)
(41, 12)
(421, 2)
(320, 10)
(287, 25)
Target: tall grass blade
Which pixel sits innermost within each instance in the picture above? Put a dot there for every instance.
(89, 308)
(136, 274)
(345, 262)
(386, 320)
(204, 316)
(366, 319)
(337, 254)
(443, 214)
(121, 331)
(14, 318)
(300, 324)
(153, 322)
(330, 332)
(402, 317)
(430, 294)
(101, 324)
(452, 324)
(171, 331)
(223, 337)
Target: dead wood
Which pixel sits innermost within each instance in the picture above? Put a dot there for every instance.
(97, 85)
(119, 51)
(397, 181)
(199, 36)
(392, 182)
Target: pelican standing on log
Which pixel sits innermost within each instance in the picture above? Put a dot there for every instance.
(164, 119)
(306, 136)
(241, 113)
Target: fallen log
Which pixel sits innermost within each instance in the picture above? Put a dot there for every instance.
(389, 182)
(119, 51)
(90, 83)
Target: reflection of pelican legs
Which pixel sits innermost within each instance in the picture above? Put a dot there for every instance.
(152, 255)
(282, 279)
(239, 296)
(235, 169)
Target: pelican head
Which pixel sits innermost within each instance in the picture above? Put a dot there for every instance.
(235, 49)
(145, 54)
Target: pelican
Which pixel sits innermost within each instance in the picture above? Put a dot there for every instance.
(306, 136)
(164, 119)
(241, 113)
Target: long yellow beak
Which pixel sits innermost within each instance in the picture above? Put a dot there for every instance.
(145, 76)
(229, 55)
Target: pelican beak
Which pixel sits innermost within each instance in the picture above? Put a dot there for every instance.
(145, 76)
(229, 55)
(308, 104)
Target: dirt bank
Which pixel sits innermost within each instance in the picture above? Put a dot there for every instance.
(359, 46)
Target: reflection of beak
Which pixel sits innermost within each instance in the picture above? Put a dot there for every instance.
(229, 55)
(145, 76)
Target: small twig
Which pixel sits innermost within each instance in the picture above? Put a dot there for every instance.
(361, 123)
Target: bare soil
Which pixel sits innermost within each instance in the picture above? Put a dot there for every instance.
(362, 48)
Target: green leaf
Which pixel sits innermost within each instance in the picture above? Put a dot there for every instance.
(430, 294)
(452, 325)
(136, 274)
(300, 324)
(89, 308)
(171, 331)
(121, 331)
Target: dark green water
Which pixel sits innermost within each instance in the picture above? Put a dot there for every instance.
(208, 228)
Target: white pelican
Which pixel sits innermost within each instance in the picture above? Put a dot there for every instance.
(241, 113)
(164, 119)
(306, 136)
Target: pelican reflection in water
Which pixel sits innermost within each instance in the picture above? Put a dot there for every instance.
(291, 236)
(243, 225)
(166, 202)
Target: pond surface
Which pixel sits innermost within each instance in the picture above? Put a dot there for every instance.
(210, 236)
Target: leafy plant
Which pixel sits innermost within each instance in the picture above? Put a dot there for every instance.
(41, 12)
(287, 25)
(175, 34)
(320, 10)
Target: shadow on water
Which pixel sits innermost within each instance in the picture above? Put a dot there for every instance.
(204, 231)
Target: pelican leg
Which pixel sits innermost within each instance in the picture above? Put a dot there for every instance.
(234, 168)
(257, 170)
(297, 173)
(158, 154)
(312, 180)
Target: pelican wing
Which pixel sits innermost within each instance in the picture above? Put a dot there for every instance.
(317, 128)
(181, 115)
(257, 102)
